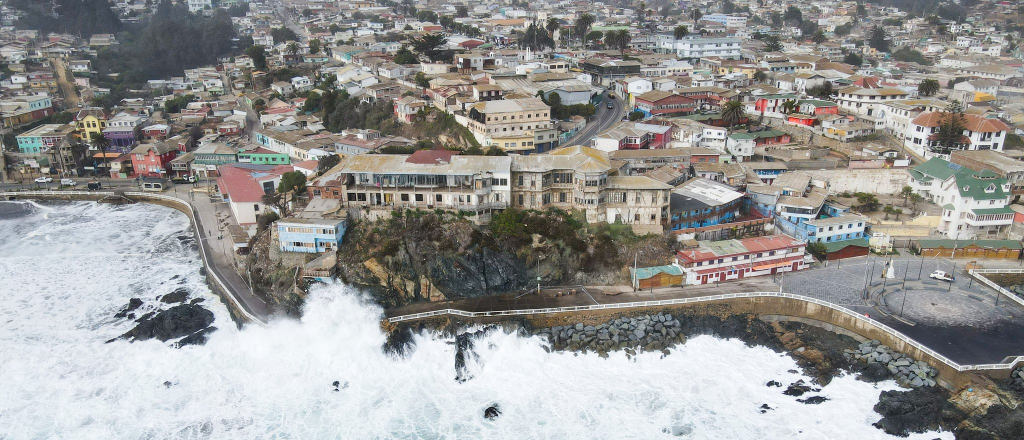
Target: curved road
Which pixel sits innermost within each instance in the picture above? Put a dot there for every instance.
(602, 119)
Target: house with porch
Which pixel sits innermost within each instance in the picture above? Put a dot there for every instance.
(152, 160)
(727, 260)
(310, 235)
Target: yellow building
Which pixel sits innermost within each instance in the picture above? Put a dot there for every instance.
(90, 120)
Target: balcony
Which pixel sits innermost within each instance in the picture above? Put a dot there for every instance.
(989, 217)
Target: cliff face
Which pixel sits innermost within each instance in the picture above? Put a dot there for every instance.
(432, 256)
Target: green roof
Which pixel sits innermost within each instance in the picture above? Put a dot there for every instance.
(818, 103)
(834, 246)
(991, 211)
(949, 244)
(644, 273)
(949, 207)
(980, 185)
(936, 168)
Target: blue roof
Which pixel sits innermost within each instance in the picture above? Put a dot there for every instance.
(644, 273)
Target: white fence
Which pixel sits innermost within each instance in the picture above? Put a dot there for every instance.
(980, 275)
(670, 302)
(192, 216)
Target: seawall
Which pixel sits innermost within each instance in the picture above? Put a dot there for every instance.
(769, 306)
(238, 312)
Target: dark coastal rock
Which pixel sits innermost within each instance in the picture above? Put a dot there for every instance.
(917, 410)
(196, 301)
(175, 322)
(999, 422)
(873, 372)
(813, 400)
(772, 383)
(463, 349)
(133, 304)
(197, 338)
(765, 408)
(492, 412)
(177, 296)
(798, 388)
(399, 341)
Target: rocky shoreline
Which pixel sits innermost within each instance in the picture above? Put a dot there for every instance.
(820, 353)
(187, 321)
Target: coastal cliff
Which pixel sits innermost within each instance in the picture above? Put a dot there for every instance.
(433, 256)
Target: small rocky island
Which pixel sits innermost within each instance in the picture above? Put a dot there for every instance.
(187, 321)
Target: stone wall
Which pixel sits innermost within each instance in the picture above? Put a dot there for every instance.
(884, 181)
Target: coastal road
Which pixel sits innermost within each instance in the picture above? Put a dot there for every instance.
(602, 119)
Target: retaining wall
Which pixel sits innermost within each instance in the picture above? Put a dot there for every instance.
(768, 304)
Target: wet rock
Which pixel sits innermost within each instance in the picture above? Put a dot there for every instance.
(197, 338)
(168, 384)
(133, 304)
(176, 322)
(917, 410)
(177, 296)
(798, 388)
(399, 340)
(196, 301)
(813, 400)
(765, 408)
(492, 412)
(998, 422)
(772, 383)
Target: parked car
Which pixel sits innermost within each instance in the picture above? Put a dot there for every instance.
(611, 104)
(942, 276)
(68, 182)
(44, 179)
(95, 186)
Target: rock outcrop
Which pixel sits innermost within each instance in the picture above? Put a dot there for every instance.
(188, 321)
(917, 410)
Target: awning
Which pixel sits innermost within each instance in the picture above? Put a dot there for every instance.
(774, 265)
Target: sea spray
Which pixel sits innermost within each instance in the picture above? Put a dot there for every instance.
(69, 270)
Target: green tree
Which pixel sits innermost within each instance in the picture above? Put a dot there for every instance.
(430, 46)
(101, 143)
(421, 80)
(551, 26)
(405, 56)
(680, 32)
(772, 43)
(760, 76)
(733, 112)
(928, 87)
(619, 39)
(461, 11)
(879, 40)
(327, 162)
(696, 15)
(952, 124)
(793, 14)
(582, 26)
(915, 198)
(314, 46)
(853, 59)
(636, 115)
(292, 182)
(905, 192)
(867, 202)
(819, 37)
(817, 250)
(789, 106)
(259, 57)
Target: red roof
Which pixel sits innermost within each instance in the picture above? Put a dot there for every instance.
(244, 183)
(431, 157)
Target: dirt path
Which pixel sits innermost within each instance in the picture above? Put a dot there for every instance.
(67, 86)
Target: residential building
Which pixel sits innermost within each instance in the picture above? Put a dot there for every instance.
(697, 47)
(308, 235)
(699, 203)
(725, 260)
(867, 100)
(514, 125)
(844, 227)
(974, 203)
(639, 162)
(742, 144)
(44, 138)
(243, 186)
(263, 156)
(605, 72)
(151, 160)
(980, 133)
(996, 162)
(21, 110)
(408, 107)
(660, 103)
(90, 121)
(627, 135)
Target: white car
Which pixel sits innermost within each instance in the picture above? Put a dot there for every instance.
(68, 182)
(942, 276)
(44, 179)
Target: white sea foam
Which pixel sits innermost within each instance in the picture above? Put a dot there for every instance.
(66, 271)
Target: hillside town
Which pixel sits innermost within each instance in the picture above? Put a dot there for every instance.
(779, 134)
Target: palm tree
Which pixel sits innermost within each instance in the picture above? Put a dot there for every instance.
(292, 48)
(928, 87)
(552, 25)
(680, 32)
(789, 106)
(819, 37)
(583, 25)
(732, 112)
(695, 15)
(97, 140)
(620, 38)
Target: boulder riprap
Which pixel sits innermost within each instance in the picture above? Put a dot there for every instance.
(188, 321)
(629, 334)
(907, 371)
(492, 412)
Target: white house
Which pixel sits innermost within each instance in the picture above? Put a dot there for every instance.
(301, 84)
(974, 203)
(695, 47)
(979, 134)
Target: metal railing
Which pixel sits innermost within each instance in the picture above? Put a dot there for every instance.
(679, 301)
(980, 275)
